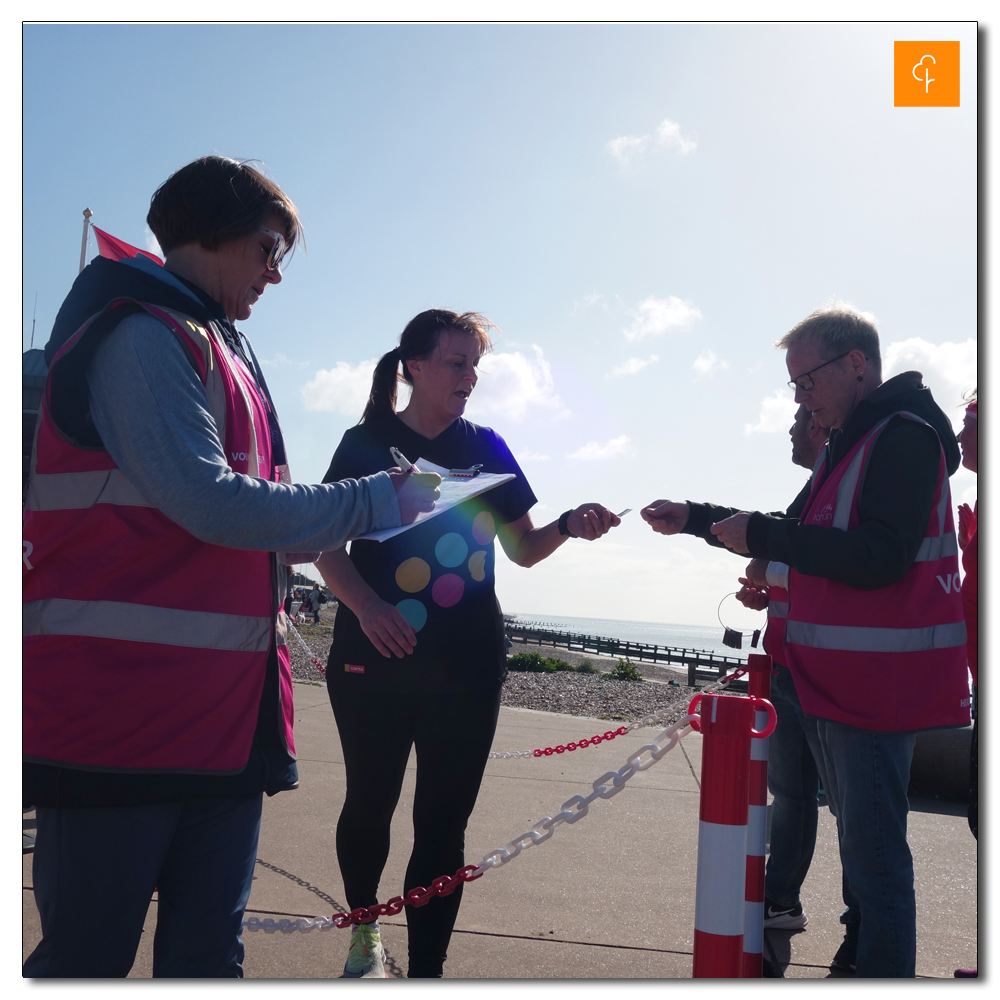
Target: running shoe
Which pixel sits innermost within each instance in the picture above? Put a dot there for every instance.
(846, 958)
(366, 958)
(783, 918)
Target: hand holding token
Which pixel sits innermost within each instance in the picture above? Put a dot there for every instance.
(667, 517)
(591, 520)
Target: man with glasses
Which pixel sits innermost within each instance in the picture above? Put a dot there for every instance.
(874, 638)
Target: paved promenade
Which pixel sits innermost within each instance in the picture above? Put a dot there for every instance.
(609, 897)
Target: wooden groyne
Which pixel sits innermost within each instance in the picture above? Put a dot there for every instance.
(701, 664)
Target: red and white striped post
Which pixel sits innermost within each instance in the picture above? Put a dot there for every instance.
(759, 684)
(727, 723)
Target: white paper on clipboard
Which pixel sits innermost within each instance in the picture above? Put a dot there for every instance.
(453, 492)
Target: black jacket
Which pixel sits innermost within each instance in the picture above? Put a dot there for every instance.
(895, 502)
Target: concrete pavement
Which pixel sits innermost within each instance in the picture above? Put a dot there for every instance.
(610, 897)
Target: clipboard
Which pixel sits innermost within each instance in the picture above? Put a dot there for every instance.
(454, 490)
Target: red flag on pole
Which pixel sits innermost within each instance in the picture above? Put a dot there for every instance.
(116, 249)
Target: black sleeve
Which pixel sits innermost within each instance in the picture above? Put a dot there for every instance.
(894, 509)
(701, 517)
(514, 499)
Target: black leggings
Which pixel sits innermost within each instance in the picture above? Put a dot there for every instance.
(381, 714)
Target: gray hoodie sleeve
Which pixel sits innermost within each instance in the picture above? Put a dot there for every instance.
(152, 413)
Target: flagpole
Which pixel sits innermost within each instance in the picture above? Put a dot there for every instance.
(83, 246)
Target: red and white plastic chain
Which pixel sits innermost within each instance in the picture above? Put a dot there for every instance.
(605, 787)
(445, 885)
(312, 659)
(719, 685)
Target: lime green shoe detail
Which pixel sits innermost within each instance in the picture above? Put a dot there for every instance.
(366, 958)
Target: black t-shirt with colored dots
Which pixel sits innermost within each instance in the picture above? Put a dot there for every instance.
(440, 573)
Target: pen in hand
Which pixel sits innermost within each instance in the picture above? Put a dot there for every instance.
(430, 480)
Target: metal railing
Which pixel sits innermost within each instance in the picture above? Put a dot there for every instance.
(701, 664)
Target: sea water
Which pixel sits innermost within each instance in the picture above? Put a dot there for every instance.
(656, 633)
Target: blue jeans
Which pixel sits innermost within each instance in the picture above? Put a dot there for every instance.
(865, 775)
(793, 780)
(95, 871)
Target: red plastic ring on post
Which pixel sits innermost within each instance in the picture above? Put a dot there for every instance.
(772, 717)
(695, 722)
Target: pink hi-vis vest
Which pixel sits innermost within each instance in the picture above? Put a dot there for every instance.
(145, 649)
(777, 610)
(891, 659)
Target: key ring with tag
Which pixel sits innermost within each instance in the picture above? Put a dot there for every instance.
(733, 637)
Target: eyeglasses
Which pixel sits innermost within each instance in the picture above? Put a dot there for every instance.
(805, 381)
(276, 254)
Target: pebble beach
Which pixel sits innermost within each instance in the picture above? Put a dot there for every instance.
(566, 692)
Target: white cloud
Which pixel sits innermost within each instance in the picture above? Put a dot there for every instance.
(532, 456)
(707, 363)
(590, 301)
(776, 414)
(654, 316)
(595, 452)
(949, 370)
(152, 245)
(281, 361)
(632, 367)
(343, 389)
(668, 133)
(511, 383)
(625, 147)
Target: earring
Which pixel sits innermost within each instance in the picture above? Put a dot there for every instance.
(861, 378)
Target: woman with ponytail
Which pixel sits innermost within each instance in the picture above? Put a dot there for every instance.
(419, 653)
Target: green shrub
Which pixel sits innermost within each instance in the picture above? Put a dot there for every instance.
(625, 671)
(586, 667)
(536, 663)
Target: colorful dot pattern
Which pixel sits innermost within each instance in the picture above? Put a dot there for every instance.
(451, 552)
(484, 528)
(477, 566)
(447, 590)
(451, 549)
(412, 575)
(414, 612)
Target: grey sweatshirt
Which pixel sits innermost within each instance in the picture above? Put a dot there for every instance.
(152, 413)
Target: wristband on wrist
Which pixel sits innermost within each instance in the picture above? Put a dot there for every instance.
(563, 526)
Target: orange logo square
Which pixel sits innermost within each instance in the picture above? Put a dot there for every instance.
(925, 75)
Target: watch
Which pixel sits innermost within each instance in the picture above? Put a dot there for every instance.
(563, 526)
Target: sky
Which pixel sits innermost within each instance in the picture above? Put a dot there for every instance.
(642, 210)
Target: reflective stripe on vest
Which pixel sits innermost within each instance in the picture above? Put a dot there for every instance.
(777, 609)
(146, 623)
(864, 639)
(937, 548)
(77, 490)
